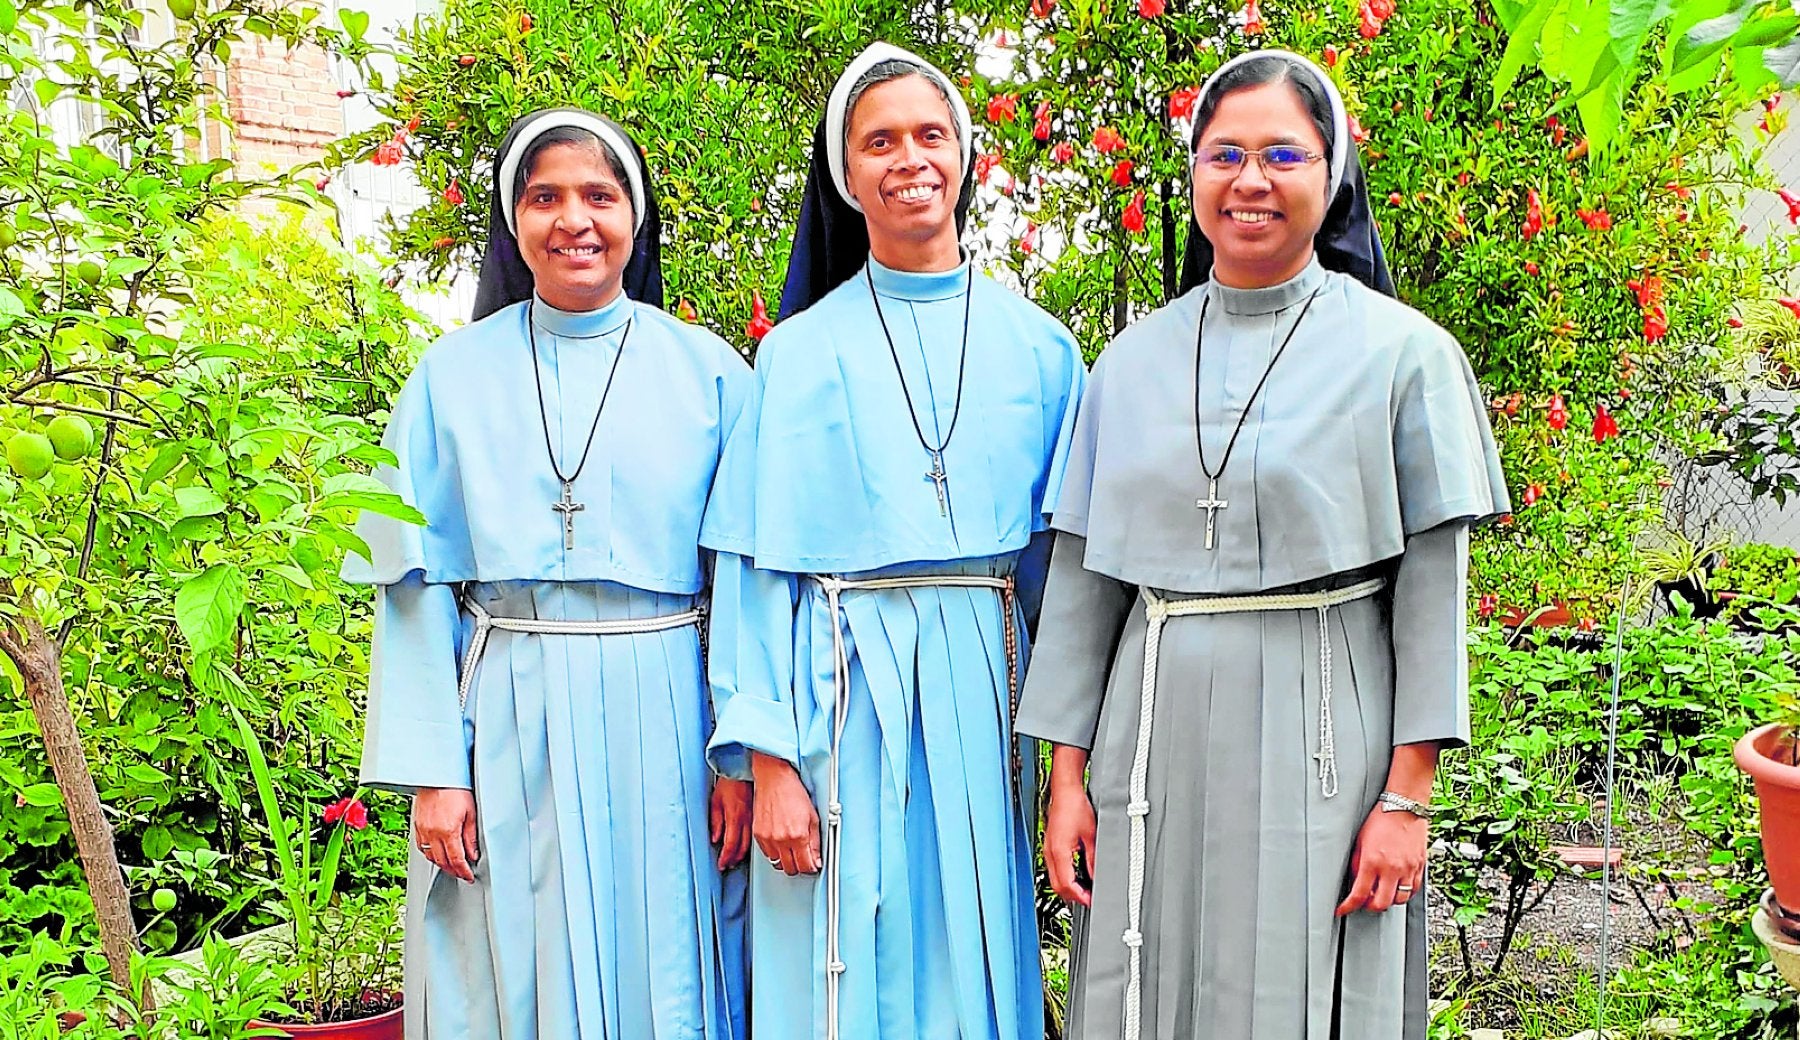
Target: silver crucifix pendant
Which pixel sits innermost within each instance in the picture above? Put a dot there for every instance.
(1212, 503)
(942, 480)
(568, 507)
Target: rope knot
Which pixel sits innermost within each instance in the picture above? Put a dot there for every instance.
(1139, 808)
(837, 967)
(1157, 609)
(834, 813)
(1134, 938)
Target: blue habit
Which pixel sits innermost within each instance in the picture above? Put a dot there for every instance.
(597, 912)
(825, 475)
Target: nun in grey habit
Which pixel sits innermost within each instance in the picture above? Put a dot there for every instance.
(1251, 650)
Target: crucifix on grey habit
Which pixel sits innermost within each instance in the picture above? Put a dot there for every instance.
(1212, 503)
(568, 507)
(942, 480)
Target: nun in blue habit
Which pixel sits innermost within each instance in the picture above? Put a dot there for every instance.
(874, 518)
(536, 682)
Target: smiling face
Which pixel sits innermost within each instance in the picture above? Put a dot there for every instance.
(903, 164)
(575, 226)
(1260, 222)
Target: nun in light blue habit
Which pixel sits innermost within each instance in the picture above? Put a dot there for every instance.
(874, 518)
(536, 682)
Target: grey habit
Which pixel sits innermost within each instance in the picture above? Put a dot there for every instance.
(1368, 454)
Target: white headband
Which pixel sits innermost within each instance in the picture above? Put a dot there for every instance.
(836, 114)
(509, 163)
(1340, 142)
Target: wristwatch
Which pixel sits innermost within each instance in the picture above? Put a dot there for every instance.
(1391, 802)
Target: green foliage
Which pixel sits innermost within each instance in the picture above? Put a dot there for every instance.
(1757, 573)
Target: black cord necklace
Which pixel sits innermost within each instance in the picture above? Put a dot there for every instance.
(567, 505)
(937, 474)
(1212, 503)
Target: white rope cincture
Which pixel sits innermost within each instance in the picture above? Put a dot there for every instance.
(486, 623)
(834, 588)
(1157, 611)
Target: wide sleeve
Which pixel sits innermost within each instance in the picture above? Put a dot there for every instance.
(1072, 489)
(425, 479)
(1064, 385)
(1431, 661)
(415, 736)
(1445, 458)
(750, 665)
(1078, 635)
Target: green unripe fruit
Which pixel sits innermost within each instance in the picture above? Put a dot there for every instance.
(30, 455)
(71, 437)
(8, 235)
(162, 900)
(182, 9)
(90, 272)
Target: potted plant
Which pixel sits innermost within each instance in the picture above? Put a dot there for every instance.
(342, 952)
(1768, 754)
(1682, 567)
(1755, 573)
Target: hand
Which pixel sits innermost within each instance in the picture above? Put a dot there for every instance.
(1388, 865)
(444, 829)
(1069, 829)
(729, 814)
(785, 824)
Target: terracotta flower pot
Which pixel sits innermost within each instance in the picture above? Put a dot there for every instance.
(389, 1025)
(1766, 753)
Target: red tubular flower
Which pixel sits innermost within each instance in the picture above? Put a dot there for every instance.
(525, 21)
(443, 243)
(1534, 215)
(1151, 8)
(453, 195)
(1040, 121)
(349, 811)
(1133, 219)
(1370, 26)
(759, 324)
(1735, 323)
(1793, 207)
(1656, 324)
(1791, 304)
(1772, 102)
(1003, 108)
(1253, 19)
(1558, 414)
(1534, 492)
(1107, 140)
(1330, 56)
(1062, 153)
(1595, 219)
(1181, 103)
(322, 183)
(1121, 173)
(1382, 9)
(1531, 268)
(390, 151)
(1487, 606)
(984, 165)
(1040, 9)
(1028, 241)
(1605, 425)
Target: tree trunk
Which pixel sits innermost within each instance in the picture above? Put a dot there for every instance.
(39, 660)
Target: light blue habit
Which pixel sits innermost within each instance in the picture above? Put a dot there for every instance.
(598, 912)
(824, 474)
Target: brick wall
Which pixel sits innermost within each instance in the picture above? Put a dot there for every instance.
(284, 104)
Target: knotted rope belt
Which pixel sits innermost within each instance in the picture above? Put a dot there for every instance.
(486, 623)
(1157, 611)
(834, 588)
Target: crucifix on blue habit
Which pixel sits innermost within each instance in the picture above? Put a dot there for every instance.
(942, 480)
(1212, 503)
(568, 507)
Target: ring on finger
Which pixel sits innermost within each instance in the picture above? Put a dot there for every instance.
(1403, 888)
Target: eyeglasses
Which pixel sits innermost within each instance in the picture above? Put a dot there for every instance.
(1277, 158)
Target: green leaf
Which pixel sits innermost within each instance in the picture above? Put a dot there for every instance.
(292, 573)
(9, 16)
(157, 843)
(1706, 39)
(11, 306)
(208, 605)
(44, 796)
(1520, 46)
(198, 500)
(356, 23)
(47, 91)
(145, 773)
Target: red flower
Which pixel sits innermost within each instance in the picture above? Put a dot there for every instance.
(1656, 324)
(1486, 606)
(1595, 219)
(525, 21)
(1681, 191)
(1395, 198)
(1002, 108)
(322, 183)
(1331, 56)
(350, 811)
(1772, 102)
(1108, 141)
(1649, 290)
(1534, 492)
(1793, 205)
(1791, 304)
(1763, 125)
(759, 324)
(1181, 103)
(1040, 122)
(443, 243)
(1133, 219)
(1151, 8)
(686, 312)
(1604, 425)
(1382, 9)
(1121, 173)
(984, 165)
(1028, 241)
(1370, 26)
(1735, 323)
(1253, 20)
(466, 60)
(1041, 9)
(453, 195)
(1357, 133)
(391, 151)
(1558, 416)
(1531, 268)
(1534, 215)
(1062, 153)
(342, 94)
